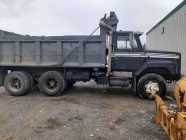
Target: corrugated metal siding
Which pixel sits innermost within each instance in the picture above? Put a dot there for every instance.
(173, 38)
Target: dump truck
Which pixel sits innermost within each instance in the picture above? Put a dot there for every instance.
(172, 117)
(115, 58)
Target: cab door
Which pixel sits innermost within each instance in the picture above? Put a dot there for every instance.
(126, 54)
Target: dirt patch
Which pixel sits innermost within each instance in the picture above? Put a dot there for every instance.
(7, 138)
(52, 123)
(78, 118)
(119, 121)
(101, 138)
(81, 114)
(66, 99)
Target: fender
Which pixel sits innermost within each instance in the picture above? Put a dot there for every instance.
(167, 65)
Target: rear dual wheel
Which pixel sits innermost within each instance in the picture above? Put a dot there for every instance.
(52, 83)
(18, 83)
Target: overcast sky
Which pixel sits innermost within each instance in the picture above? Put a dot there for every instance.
(67, 17)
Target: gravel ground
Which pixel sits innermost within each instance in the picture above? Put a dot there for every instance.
(86, 112)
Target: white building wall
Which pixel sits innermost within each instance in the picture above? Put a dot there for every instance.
(173, 38)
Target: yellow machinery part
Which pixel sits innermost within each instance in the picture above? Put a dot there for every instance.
(171, 120)
(180, 94)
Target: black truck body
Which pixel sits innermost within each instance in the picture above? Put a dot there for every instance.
(116, 58)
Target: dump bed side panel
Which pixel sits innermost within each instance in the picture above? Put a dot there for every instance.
(52, 53)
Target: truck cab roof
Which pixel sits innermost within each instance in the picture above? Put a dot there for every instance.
(137, 33)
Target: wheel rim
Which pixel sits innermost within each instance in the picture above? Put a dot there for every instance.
(152, 89)
(15, 84)
(52, 84)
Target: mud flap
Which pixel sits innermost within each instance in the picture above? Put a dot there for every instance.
(2, 77)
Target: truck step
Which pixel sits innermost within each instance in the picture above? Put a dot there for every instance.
(119, 82)
(102, 81)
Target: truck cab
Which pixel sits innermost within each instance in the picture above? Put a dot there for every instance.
(147, 71)
(126, 49)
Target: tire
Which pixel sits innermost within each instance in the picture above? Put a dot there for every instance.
(151, 85)
(52, 83)
(17, 83)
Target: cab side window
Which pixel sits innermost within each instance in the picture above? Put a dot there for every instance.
(123, 43)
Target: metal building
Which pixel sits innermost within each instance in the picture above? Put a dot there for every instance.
(170, 33)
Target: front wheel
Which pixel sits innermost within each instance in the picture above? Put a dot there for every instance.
(151, 85)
